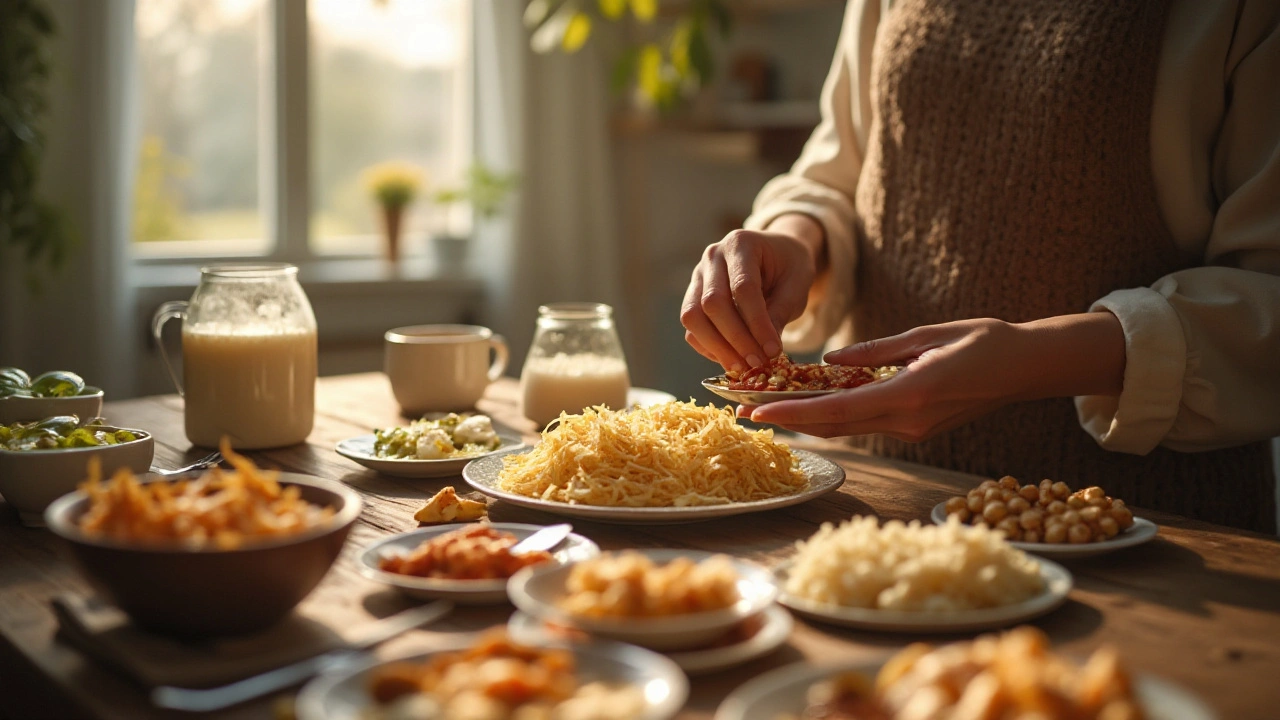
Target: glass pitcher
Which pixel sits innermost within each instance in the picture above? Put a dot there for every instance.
(249, 356)
(575, 362)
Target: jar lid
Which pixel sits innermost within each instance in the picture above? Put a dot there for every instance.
(575, 310)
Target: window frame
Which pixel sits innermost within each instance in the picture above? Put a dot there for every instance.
(285, 135)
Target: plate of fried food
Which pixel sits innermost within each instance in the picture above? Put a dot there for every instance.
(781, 379)
(668, 463)
(462, 563)
(438, 445)
(1014, 674)
(908, 577)
(1050, 519)
(659, 599)
(490, 676)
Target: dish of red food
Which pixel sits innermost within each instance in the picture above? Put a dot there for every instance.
(781, 375)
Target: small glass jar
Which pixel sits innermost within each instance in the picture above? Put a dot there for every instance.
(575, 362)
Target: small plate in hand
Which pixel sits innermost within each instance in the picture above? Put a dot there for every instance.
(720, 386)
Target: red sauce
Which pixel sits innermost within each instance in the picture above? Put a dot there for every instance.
(780, 374)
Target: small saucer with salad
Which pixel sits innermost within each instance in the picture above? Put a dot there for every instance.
(438, 445)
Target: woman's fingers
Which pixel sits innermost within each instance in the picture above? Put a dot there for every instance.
(720, 305)
(748, 295)
(697, 346)
(892, 350)
(710, 342)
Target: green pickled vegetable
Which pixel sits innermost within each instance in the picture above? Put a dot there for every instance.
(13, 377)
(57, 383)
(62, 432)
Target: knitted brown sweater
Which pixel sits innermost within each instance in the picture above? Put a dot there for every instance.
(1008, 175)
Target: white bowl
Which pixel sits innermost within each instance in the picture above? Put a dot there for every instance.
(27, 409)
(467, 592)
(32, 479)
(538, 591)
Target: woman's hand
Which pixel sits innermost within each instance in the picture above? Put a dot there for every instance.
(747, 287)
(958, 371)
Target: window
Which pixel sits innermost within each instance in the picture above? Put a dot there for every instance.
(258, 117)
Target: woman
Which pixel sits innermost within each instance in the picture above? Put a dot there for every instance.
(1031, 201)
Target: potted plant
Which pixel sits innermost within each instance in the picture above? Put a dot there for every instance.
(486, 191)
(394, 185)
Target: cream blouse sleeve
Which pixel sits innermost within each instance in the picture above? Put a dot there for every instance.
(822, 182)
(1203, 345)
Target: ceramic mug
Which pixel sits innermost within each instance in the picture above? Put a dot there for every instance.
(438, 368)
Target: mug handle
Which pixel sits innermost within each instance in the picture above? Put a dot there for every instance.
(167, 312)
(499, 345)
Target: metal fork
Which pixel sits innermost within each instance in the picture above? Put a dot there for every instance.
(207, 461)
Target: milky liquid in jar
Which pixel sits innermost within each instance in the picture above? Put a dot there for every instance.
(253, 385)
(571, 383)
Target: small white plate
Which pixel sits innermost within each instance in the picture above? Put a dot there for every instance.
(343, 694)
(760, 397)
(772, 633)
(360, 449)
(1057, 582)
(538, 591)
(823, 475)
(1141, 531)
(783, 692)
(472, 592)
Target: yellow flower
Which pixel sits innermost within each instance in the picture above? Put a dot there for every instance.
(393, 184)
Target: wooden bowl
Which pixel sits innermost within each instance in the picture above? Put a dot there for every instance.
(204, 592)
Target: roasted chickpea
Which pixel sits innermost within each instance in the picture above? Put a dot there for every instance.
(1078, 534)
(975, 504)
(976, 492)
(991, 495)
(1047, 498)
(1009, 526)
(1032, 519)
(964, 514)
(1017, 505)
(1032, 536)
(1057, 507)
(1091, 493)
(1098, 502)
(987, 485)
(1046, 484)
(1009, 482)
(1075, 502)
(1071, 517)
(1123, 517)
(1029, 493)
(955, 505)
(1007, 495)
(994, 512)
(1061, 491)
(1055, 533)
(1090, 514)
(1117, 502)
(1109, 526)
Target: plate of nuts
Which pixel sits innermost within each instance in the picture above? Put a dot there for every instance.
(1050, 519)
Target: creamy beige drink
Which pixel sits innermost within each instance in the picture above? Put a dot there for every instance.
(571, 383)
(255, 386)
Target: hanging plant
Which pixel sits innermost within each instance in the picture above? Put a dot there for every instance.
(663, 72)
(26, 221)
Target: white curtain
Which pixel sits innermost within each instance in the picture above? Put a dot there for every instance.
(81, 319)
(545, 117)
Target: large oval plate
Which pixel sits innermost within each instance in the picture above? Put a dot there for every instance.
(1141, 531)
(783, 692)
(477, 592)
(360, 450)
(1057, 581)
(822, 474)
(343, 694)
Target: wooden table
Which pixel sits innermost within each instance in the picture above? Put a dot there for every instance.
(1200, 605)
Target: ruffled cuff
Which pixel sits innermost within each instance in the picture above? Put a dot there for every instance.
(829, 302)
(1155, 365)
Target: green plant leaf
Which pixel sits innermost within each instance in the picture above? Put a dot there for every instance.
(576, 32)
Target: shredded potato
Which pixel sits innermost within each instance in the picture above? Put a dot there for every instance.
(629, 584)
(220, 509)
(676, 454)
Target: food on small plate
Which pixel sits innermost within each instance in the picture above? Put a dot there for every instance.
(1013, 675)
(499, 679)
(445, 506)
(454, 435)
(62, 432)
(1048, 513)
(780, 375)
(676, 454)
(910, 567)
(630, 585)
(473, 553)
(220, 509)
(15, 382)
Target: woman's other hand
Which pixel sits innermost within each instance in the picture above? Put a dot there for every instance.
(747, 287)
(958, 371)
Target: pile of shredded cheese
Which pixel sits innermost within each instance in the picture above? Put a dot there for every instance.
(672, 455)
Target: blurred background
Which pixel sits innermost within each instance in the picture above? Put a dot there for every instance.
(533, 151)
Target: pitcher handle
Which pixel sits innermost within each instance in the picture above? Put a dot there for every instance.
(500, 356)
(166, 312)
